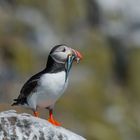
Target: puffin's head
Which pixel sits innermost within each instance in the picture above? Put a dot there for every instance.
(64, 54)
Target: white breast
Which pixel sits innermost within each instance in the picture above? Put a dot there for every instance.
(51, 87)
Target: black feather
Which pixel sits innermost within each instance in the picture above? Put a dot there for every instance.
(27, 89)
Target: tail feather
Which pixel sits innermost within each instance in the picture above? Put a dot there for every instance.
(21, 101)
(14, 104)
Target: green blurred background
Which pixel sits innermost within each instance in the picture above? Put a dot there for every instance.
(102, 100)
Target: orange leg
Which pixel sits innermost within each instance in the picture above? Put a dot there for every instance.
(52, 120)
(36, 114)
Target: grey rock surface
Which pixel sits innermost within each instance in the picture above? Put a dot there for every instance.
(23, 126)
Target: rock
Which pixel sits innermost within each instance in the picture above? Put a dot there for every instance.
(23, 126)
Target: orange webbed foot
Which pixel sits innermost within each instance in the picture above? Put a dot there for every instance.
(36, 114)
(51, 118)
(54, 122)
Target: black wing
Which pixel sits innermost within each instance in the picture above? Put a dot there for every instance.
(27, 89)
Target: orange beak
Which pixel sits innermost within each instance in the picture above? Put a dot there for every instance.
(78, 55)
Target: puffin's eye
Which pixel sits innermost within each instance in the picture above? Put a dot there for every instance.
(64, 50)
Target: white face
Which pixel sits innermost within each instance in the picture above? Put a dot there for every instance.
(61, 53)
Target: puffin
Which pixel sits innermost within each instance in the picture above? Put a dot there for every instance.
(43, 89)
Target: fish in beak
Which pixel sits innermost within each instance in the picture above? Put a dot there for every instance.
(74, 56)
